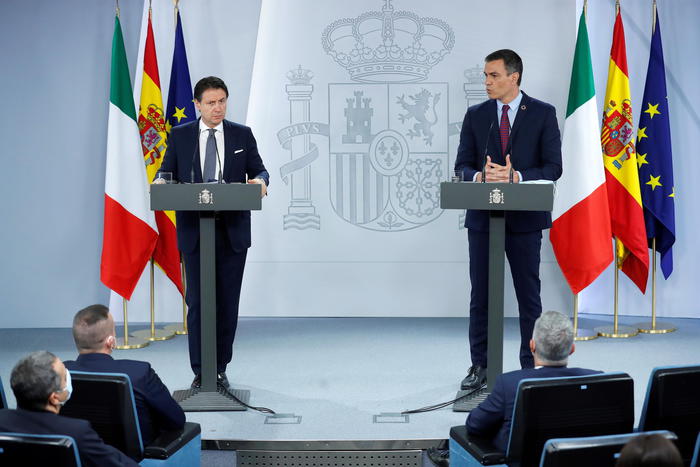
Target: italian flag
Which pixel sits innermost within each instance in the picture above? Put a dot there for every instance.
(581, 232)
(130, 233)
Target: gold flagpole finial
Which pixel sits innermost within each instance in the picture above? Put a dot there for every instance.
(585, 8)
(653, 17)
(617, 7)
(117, 8)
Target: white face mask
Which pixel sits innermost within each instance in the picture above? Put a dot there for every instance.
(68, 388)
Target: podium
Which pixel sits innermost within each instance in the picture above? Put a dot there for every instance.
(207, 199)
(495, 198)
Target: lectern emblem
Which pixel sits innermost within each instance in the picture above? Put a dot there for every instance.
(496, 197)
(206, 197)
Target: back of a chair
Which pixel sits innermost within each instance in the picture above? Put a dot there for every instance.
(567, 408)
(598, 451)
(3, 400)
(696, 453)
(106, 400)
(673, 403)
(18, 449)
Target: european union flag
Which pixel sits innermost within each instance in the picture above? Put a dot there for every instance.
(180, 108)
(654, 157)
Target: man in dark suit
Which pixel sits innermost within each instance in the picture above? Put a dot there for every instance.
(214, 149)
(551, 345)
(94, 335)
(510, 137)
(41, 385)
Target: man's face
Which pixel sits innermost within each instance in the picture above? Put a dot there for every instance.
(500, 85)
(212, 107)
(60, 370)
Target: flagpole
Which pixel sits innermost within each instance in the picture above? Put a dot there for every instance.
(581, 334)
(616, 330)
(124, 343)
(154, 334)
(181, 329)
(654, 327)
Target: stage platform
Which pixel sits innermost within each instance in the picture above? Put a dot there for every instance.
(342, 381)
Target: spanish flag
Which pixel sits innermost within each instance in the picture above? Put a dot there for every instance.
(152, 127)
(620, 161)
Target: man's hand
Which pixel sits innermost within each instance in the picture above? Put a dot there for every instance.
(263, 187)
(499, 173)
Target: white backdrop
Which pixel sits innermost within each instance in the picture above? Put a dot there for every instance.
(352, 267)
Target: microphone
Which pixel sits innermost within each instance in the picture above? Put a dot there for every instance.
(486, 148)
(194, 155)
(218, 159)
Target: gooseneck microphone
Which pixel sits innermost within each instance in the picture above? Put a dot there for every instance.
(486, 148)
(194, 154)
(218, 159)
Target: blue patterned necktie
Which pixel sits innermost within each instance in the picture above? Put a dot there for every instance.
(209, 173)
(504, 129)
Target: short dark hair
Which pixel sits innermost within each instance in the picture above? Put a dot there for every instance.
(210, 82)
(649, 451)
(512, 61)
(33, 379)
(88, 330)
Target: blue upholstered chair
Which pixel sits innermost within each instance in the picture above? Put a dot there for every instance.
(3, 400)
(24, 449)
(696, 454)
(599, 451)
(673, 403)
(106, 400)
(552, 408)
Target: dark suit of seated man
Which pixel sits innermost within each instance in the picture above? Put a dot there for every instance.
(42, 385)
(94, 335)
(551, 344)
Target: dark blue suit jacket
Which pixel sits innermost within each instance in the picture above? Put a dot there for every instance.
(92, 450)
(493, 417)
(534, 148)
(183, 148)
(156, 409)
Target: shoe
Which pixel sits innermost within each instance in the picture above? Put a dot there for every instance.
(222, 380)
(439, 457)
(475, 378)
(196, 382)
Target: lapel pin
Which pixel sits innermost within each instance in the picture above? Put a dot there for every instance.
(523, 107)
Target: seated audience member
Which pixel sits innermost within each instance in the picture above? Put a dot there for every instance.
(42, 385)
(94, 335)
(649, 451)
(551, 344)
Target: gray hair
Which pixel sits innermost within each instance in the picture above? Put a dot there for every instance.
(90, 327)
(554, 336)
(33, 380)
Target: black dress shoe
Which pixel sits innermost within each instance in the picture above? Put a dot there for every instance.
(222, 380)
(475, 378)
(196, 382)
(439, 457)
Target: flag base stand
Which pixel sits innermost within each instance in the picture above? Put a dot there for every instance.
(154, 335)
(220, 400)
(585, 334)
(655, 328)
(177, 329)
(131, 343)
(619, 332)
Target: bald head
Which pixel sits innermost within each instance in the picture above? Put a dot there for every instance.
(92, 328)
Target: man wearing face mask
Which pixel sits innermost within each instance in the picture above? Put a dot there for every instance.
(94, 336)
(42, 385)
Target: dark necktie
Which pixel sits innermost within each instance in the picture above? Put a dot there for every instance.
(209, 173)
(504, 129)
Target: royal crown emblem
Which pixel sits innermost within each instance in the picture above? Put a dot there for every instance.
(496, 197)
(206, 197)
(388, 45)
